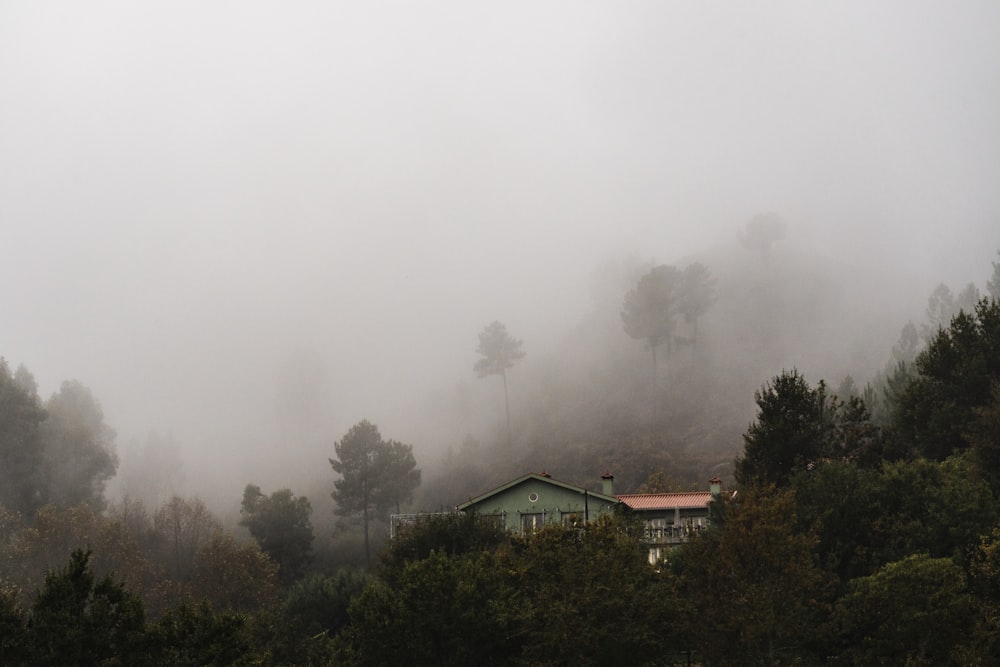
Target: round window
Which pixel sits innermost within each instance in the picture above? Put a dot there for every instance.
(533, 497)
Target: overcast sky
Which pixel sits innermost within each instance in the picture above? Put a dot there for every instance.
(192, 191)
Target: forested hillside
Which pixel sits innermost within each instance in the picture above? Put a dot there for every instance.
(860, 522)
(595, 402)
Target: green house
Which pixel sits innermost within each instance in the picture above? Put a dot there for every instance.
(529, 502)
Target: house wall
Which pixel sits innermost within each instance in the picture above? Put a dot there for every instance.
(547, 503)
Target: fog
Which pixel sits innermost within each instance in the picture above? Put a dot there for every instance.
(250, 225)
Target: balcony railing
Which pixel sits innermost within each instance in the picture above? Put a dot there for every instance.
(670, 534)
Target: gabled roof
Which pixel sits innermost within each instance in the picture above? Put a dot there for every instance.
(540, 478)
(663, 501)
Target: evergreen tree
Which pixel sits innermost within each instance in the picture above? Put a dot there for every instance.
(697, 295)
(758, 591)
(498, 351)
(76, 620)
(651, 308)
(915, 611)
(795, 428)
(955, 376)
(375, 476)
(280, 524)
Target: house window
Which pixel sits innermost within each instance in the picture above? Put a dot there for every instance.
(531, 522)
(571, 519)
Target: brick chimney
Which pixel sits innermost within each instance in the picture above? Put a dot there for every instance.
(608, 484)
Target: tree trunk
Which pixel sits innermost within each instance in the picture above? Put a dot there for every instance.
(364, 509)
(506, 403)
(368, 553)
(656, 388)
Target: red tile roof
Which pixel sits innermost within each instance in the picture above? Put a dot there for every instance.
(656, 501)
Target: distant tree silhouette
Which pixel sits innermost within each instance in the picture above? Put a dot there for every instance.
(184, 526)
(651, 308)
(943, 305)
(498, 351)
(993, 284)
(79, 447)
(696, 296)
(761, 232)
(22, 478)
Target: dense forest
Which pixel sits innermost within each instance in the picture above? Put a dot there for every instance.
(861, 522)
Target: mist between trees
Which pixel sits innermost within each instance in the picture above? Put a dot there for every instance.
(853, 495)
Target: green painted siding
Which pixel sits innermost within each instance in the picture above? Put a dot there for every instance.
(534, 500)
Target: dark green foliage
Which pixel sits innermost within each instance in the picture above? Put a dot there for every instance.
(759, 595)
(984, 566)
(794, 429)
(79, 619)
(319, 603)
(191, 636)
(435, 568)
(915, 611)
(280, 524)
(798, 427)
(955, 377)
(13, 633)
(866, 518)
(984, 582)
(857, 438)
(376, 476)
(76, 620)
(451, 534)
(563, 596)
(591, 597)
(984, 440)
(444, 610)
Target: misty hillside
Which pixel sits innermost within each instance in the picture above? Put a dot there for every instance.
(587, 405)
